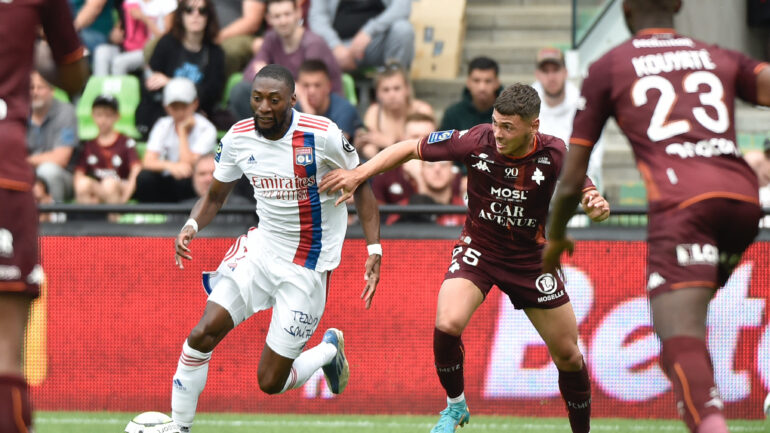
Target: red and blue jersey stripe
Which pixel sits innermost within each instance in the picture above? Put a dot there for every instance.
(310, 233)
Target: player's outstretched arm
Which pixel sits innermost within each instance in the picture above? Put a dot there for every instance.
(388, 159)
(567, 197)
(369, 215)
(202, 214)
(595, 206)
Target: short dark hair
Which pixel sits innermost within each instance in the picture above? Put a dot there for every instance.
(106, 101)
(667, 6)
(313, 65)
(277, 72)
(518, 99)
(483, 63)
(269, 2)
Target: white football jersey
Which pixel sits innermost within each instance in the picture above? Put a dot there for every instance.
(296, 221)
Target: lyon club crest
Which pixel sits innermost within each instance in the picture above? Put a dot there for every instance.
(303, 156)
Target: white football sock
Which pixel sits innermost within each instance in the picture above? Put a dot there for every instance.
(454, 400)
(308, 363)
(189, 381)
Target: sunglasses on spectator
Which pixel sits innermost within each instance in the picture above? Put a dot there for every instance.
(201, 10)
(389, 67)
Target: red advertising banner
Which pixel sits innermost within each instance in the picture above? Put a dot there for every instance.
(109, 329)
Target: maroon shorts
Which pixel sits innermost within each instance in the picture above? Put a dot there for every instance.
(700, 245)
(526, 285)
(19, 270)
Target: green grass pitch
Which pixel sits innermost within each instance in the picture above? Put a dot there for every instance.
(109, 422)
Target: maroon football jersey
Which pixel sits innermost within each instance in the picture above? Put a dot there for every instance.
(114, 160)
(508, 198)
(673, 97)
(19, 22)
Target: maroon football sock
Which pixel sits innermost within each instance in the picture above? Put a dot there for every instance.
(15, 406)
(687, 363)
(575, 387)
(448, 351)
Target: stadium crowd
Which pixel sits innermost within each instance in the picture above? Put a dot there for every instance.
(194, 62)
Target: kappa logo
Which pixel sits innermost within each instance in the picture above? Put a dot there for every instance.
(6, 243)
(655, 281)
(303, 156)
(481, 166)
(544, 160)
(546, 283)
(437, 136)
(537, 176)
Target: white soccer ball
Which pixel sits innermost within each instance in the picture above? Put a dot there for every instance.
(152, 422)
(767, 406)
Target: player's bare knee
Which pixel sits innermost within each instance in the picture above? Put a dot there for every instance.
(450, 326)
(568, 359)
(201, 339)
(270, 383)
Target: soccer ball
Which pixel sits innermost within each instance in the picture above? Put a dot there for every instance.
(767, 406)
(152, 422)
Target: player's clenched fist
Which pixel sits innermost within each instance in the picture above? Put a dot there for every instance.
(181, 245)
(595, 206)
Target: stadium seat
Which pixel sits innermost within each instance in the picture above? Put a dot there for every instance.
(633, 194)
(751, 141)
(349, 89)
(231, 82)
(60, 95)
(125, 88)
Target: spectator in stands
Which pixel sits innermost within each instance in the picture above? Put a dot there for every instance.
(482, 86)
(203, 175)
(314, 96)
(143, 20)
(385, 119)
(43, 196)
(176, 142)
(108, 166)
(51, 138)
(188, 51)
(559, 101)
(287, 44)
(365, 33)
(239, 21)
(439, 184)
(397, 186)
(93, 21)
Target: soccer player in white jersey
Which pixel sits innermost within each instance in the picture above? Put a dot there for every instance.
(285, 263)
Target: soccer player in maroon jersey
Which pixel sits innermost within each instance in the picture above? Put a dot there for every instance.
(673, 98)
(512, 172)
(19, 270)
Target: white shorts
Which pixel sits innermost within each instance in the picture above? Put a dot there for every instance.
(248, 282)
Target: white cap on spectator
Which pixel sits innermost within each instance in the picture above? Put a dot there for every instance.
(179, 90)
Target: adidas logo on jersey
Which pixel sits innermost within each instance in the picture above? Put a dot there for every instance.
(252, 160)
